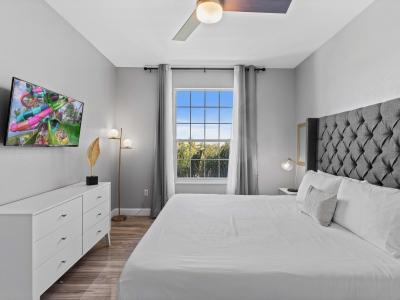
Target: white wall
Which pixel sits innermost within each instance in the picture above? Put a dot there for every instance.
(136, 111)
(356, 68)
(39, 46)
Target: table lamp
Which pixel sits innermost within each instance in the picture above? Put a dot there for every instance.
(288, 166)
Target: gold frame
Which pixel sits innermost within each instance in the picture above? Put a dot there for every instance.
(298, 161)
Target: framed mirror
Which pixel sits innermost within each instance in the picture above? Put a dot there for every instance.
(301, 144)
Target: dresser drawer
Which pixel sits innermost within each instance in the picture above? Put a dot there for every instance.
(50, 271)
(51, 244)
(95, 233)
(95, 197)
(96, 214)
(54, 218)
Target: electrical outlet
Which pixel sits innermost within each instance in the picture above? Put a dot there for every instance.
(146, 192)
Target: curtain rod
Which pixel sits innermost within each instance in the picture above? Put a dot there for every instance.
(201, 69)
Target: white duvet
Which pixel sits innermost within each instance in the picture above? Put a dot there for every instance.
(224, 247)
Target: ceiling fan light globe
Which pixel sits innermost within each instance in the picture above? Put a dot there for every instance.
(209, 12)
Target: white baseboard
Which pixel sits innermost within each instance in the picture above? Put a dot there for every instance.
(145, 212)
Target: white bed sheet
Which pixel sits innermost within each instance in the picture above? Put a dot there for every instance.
(226, 247)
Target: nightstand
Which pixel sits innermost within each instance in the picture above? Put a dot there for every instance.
(284, 191)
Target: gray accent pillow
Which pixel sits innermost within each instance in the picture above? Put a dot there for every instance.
(320, 205)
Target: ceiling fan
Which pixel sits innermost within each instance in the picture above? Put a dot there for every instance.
(211, 11)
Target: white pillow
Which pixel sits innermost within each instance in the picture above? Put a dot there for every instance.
(372, 212)
(319, 205)
(328, 184)
(352, 196)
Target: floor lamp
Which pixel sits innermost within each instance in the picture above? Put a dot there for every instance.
(115, 134)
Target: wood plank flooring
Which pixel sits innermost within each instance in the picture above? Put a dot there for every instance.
(96, 275)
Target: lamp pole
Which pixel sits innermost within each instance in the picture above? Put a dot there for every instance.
(119, 217)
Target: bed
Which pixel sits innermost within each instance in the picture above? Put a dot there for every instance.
(253, 247)
(225, 247)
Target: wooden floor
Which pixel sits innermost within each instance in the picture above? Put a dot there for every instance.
(96, 275)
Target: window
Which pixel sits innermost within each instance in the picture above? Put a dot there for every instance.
(203, 132)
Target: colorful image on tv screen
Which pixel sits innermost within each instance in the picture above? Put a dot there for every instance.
(41, 117)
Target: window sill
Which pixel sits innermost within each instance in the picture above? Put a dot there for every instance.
(201, 181)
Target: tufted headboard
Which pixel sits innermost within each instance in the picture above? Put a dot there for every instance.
(362, 144)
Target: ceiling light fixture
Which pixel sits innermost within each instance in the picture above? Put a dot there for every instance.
(209, 11)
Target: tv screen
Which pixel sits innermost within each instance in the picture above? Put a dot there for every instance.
(40, 117)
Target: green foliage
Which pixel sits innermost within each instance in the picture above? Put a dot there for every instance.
(196, 159)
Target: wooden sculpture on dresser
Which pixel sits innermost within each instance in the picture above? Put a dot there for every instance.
(93, 153)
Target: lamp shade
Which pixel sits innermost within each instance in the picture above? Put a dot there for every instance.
(113, 134)
(127, 144)
(209, 11)
(288, 165)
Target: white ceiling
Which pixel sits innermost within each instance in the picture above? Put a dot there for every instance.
(133, 33)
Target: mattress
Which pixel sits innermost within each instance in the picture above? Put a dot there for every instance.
(226, 247)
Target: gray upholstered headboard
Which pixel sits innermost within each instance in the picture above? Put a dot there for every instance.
(362, 144)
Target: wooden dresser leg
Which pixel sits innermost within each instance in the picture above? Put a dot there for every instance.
(109, 239)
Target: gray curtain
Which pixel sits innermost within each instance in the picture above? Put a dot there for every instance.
(243, 168)
(163, 176)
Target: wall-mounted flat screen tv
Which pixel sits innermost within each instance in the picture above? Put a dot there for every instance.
(41, 117)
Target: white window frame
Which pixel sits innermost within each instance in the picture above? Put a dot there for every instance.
(195, 180)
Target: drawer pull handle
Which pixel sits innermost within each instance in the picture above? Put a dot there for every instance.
(99, 197)
(64, 238)
(99, 214)
(63, 215)
(98, 231)
(63, 261)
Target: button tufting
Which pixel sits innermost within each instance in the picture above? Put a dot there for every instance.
(364, 133)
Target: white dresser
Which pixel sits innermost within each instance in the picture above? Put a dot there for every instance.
(41, 237)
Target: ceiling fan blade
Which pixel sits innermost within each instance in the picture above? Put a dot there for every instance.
(187, 28)
(261, 6)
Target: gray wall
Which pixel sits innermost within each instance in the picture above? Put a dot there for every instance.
(39, 46)
(276, 128)
(136, 111)
(357, 67)
(136, 96)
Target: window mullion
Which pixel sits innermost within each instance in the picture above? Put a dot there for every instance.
(190, 136)
(204, 134)
(219, 134)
